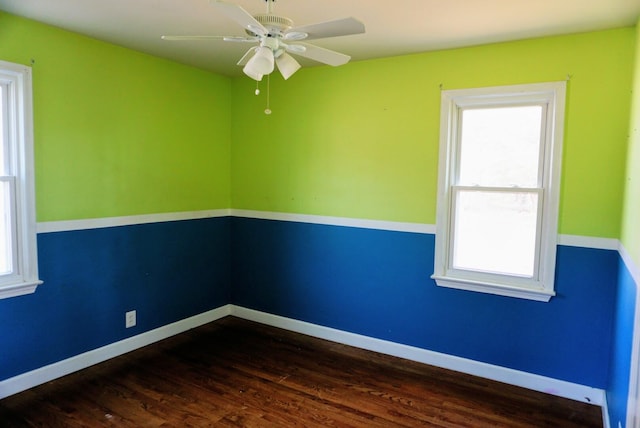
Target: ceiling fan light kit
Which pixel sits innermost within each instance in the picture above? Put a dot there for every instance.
(261, 63)
(287, 65)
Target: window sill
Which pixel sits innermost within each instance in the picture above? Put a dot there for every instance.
(19, 289)
(497, 289)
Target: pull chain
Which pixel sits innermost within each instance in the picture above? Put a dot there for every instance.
(268, 110)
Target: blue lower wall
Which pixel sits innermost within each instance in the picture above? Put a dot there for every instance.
(370, 282)
(165, 271)
(377, 283)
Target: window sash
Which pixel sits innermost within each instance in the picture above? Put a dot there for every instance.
(9, 257)
(488, 275)
(544, 105)
(5, 128)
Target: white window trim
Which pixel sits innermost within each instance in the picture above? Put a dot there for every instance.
(553, 94)
(20, 113)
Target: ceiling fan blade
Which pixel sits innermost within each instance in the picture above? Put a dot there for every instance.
(241, 16)
(245, 58)
(297, 48)
(240, 39)
(225, 38)
(322, 55)
(339, 27)
(179, 38)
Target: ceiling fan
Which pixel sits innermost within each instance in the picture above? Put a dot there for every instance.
(276, 37)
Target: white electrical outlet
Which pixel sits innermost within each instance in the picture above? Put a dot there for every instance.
(130, 319)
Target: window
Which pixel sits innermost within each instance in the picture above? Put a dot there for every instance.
(18, 255)
(498, 189)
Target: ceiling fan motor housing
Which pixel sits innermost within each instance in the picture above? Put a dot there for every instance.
(276, 25)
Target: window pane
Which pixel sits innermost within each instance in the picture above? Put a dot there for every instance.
(500, 146)
(6, 265)
(495, 232)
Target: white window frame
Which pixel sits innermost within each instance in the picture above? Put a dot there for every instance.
(18, 138)
(552, 97)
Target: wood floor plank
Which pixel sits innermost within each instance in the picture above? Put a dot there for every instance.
(235, 373)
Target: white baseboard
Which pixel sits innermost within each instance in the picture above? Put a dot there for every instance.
(606, 423)
(531, 381)
(535, 382)
(62, 368)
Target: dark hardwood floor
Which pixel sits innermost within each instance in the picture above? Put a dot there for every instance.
(237, 373)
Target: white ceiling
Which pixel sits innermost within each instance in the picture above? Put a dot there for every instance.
(393, 27)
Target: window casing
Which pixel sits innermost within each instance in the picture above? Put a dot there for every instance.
(498, 189)
(18, 252)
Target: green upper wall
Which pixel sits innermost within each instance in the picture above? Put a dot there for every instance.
(361, 140)
(119, 132)
(631, 217)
